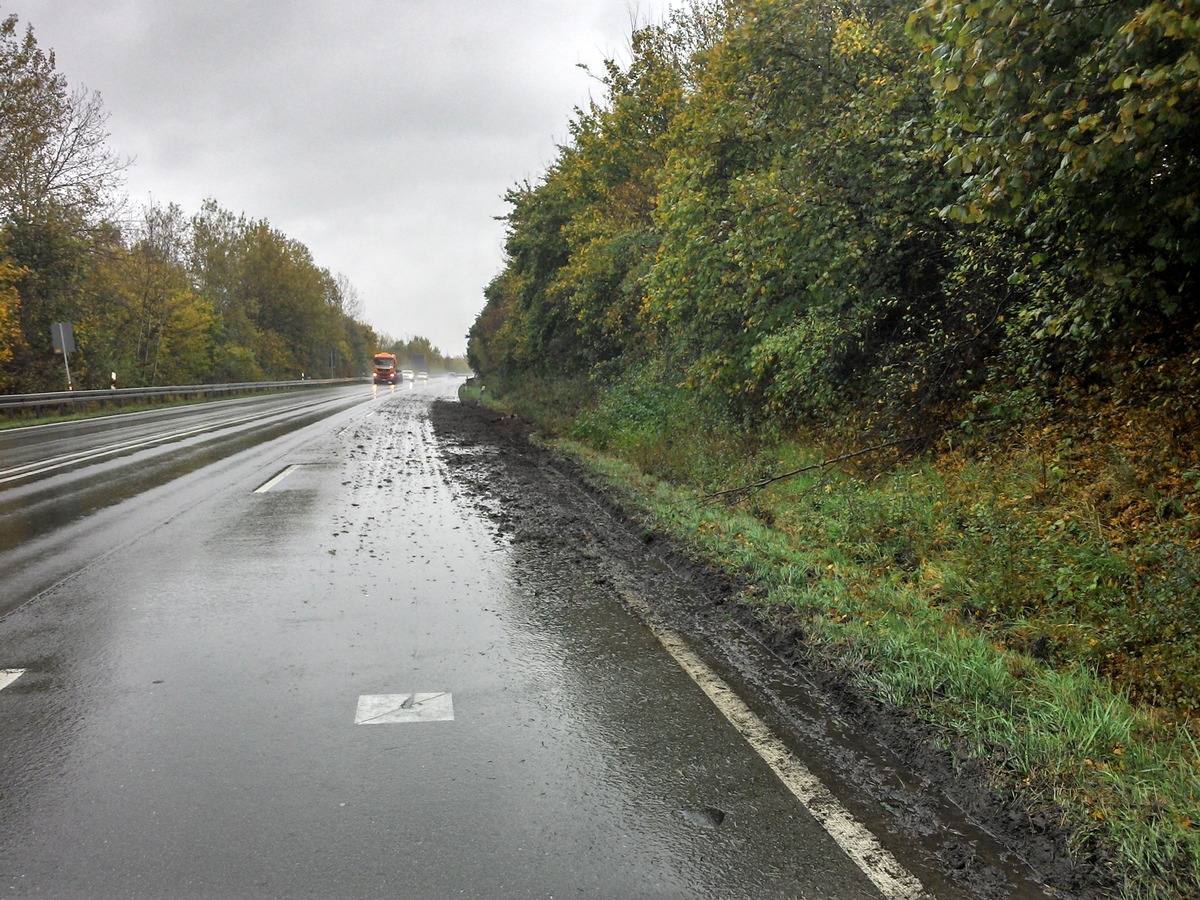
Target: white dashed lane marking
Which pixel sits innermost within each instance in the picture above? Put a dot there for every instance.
(395, 709)
(263, 488)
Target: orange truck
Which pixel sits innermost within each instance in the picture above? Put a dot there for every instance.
(385, 368)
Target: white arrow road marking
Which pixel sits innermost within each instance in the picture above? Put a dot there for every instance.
(394, 709)
(8, 676)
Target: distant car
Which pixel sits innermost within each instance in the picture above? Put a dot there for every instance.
(406, 374)
(422, 376)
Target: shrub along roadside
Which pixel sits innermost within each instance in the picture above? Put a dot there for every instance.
(992, 597)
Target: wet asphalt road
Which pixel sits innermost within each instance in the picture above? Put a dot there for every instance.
(350, 683)
(59, 483)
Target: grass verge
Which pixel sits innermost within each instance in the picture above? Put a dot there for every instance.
(994, 597)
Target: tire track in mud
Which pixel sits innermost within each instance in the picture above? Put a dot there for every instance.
(884, 766)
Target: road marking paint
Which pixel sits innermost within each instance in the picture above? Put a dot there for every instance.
(892, 879)
(394, 709)
(41, 467)
(263, 488)
(8, 676)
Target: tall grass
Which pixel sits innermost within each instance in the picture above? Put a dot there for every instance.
(982, 596)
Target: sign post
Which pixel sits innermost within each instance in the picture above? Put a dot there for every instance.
(64, 342)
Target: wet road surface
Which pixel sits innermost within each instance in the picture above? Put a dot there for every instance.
(55, 478)
(320, 667)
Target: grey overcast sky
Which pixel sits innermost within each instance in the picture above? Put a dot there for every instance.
(381, 134)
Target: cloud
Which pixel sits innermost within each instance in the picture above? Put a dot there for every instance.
(380, 133)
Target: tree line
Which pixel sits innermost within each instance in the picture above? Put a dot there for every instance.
(808, 210)
(157, 296)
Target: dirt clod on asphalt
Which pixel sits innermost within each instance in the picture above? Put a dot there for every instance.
(1004, 851)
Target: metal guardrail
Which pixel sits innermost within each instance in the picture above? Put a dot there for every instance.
(10, 403)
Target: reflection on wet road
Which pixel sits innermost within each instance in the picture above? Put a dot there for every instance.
(318, 667)
(53, 477)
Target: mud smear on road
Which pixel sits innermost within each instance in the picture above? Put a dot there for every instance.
(883, 765)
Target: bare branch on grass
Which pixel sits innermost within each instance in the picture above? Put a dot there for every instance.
(745, 489)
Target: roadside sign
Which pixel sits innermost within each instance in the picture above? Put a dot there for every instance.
(63, 336)
(64, 342)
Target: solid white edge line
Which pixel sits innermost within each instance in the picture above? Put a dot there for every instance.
(8, 676)
(263, 488)
(876, 862)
